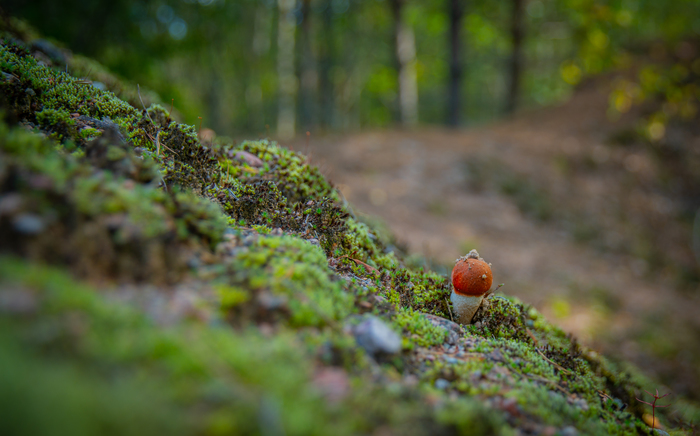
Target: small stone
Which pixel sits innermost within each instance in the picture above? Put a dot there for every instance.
(548, 431)
(451, 360)
(248, 158)
(569, 431)
(580, 403)
(269, 301)
(10, 204)
(333, 384)
(496, 355)
(452, 338)
(443, 323)
(18, 301)
(376, 337)
(30, 91)
(28, 224)
(411, 380)
(442, 384)
(9, 77)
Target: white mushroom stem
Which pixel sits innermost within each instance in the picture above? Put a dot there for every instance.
(465, 306)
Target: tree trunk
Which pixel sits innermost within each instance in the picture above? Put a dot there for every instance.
(286, 116)
(326, 60)
(307, 71)
(405, 50)
(456, 11)
(516, 59)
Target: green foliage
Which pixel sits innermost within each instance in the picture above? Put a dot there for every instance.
(183, 51)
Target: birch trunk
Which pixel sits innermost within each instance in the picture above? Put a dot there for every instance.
(286, 117)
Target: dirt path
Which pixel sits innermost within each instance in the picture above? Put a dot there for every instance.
(426, 185)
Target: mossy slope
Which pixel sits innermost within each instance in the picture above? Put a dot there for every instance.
(226, 283)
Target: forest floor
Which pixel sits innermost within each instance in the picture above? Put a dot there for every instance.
(500, 188)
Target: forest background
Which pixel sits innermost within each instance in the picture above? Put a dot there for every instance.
(284, 67)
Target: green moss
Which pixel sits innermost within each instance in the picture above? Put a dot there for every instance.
(419, 330)
(94, 220)
(191, 377)
(294, 271)
(278, 271)
(35, 87)
(295, 178)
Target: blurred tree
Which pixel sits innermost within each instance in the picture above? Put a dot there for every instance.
(405, 52)
(516, 57)
(238, 64)
(455, 12)
(326, 61)
(286, 117)
(307, 70)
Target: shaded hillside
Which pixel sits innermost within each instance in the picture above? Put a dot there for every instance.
(156, 282)
(581, 215)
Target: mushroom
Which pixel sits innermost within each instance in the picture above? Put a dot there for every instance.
(471, 282)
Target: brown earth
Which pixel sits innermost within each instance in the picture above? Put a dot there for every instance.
(524, 192)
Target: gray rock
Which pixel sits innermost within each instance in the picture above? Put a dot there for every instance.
(569, 431)
(442, 384)
(28, 224)
(453, 329)
(376, 337)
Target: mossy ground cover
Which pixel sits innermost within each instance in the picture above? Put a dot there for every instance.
(279, 272)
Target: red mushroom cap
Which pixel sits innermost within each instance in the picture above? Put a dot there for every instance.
(471, 277)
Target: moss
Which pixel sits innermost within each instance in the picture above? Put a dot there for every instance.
(56, 121)
(278, 270)
(96, 221)
(419, 330)
(33, 88)
(191, 377)
(285, 277)
(296, 179)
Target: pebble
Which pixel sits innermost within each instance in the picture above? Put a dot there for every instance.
(580, 403)
(333, 384)
(442, 384)
(375, 336)
(496, 355)
(28, 223)
(451, 360)
(18, 301)
(569, 431)
(269, 301)
(10, 203)
(248, 158)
